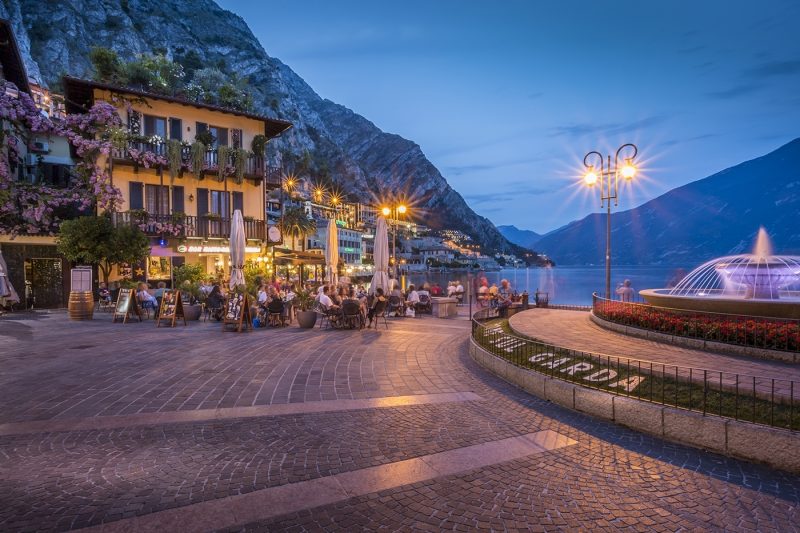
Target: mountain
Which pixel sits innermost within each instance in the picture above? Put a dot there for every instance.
(56, 37)
(523, 237)
(686, 226)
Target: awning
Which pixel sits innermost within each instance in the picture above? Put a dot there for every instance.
(284, 256)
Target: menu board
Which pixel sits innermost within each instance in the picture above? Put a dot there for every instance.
(237, 312)
(171, 308)
(126, 306)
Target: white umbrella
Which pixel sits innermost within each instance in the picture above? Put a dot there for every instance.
(237, 250)
(331, 252)
(380, 254)
(7, 293)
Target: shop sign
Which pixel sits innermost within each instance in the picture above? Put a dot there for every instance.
(209, 249)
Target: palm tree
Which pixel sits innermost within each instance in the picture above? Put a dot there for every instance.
(296, 223)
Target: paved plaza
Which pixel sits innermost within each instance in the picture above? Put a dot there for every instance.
(129, 427)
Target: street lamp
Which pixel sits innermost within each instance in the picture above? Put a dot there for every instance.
(394, 213)
(607, 177)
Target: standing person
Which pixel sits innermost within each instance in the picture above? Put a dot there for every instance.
(436, 290)
(625, 291)
(483, 292)
(504, 297)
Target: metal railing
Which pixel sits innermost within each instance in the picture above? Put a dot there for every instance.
(740, 330)
(189, 226)
(767, 401)
(255, 167)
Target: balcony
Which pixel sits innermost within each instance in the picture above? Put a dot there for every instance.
(151, 155)
(186, 226)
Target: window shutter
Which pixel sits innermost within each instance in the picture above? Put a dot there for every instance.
(200, 127)
(202, 202)
(222, 136)
(176, 129)
(236, 138)
(136, 193)
(177, 199)
(238, 201)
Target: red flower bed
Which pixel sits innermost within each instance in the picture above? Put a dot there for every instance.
(774, 334)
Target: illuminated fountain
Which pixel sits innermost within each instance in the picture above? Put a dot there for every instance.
(757, 284)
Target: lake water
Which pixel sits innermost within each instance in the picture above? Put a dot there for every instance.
(566, 285)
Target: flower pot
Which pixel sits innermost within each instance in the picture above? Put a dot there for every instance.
(192, 312)
(306, 319)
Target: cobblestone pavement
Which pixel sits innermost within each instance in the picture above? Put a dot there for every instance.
(120, 471)
(575, 329)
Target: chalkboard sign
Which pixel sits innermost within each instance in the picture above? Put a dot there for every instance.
(171, 308)
(126, 306)
(237, 312)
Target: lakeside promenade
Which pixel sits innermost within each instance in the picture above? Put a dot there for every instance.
(188, 429)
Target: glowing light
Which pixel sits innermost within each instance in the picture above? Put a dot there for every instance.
(628, 171)
(401, 209)
(590, 178)
(386, 211)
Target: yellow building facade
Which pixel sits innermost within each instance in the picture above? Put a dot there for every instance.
(186, 213)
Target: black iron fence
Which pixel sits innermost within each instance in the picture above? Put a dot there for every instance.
(740, 330)
(255, 166)
(179, 225)
(768, 401)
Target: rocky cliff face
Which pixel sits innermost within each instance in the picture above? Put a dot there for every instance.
(57, 36)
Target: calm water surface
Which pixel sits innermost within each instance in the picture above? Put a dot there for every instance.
(567, 285)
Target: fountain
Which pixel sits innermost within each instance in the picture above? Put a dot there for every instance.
(757, 284)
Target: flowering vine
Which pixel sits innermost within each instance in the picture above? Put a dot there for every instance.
(36, 208)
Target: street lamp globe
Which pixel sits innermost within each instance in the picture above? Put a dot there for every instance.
(590, 178)
(628, 171)
(401, 209)
(386, 211)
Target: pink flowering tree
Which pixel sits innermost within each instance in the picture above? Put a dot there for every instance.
(28, 207)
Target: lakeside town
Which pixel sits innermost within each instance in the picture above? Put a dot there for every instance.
(231, 302)
(181, 168)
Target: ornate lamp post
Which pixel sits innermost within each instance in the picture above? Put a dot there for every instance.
(607, 177)
(394, 212)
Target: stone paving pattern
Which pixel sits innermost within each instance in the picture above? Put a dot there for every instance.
(613, 478)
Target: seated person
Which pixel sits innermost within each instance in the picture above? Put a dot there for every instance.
(379, 297)
(145, 299)
(412, 299)
(215, 302)
(103, 294)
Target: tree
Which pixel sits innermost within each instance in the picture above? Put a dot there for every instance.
(107, 65)
(296, 223)
(96, 241)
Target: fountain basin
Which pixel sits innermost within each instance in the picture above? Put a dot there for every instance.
(719, 302)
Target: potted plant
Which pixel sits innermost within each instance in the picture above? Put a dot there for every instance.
(304, 301)
(187, 280)
(259, 144)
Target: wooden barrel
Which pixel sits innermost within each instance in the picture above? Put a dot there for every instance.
(81, 305)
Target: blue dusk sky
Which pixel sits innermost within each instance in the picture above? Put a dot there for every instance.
(505, 98)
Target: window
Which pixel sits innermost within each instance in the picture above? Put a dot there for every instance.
(236, 138)
(155, 126)
(220, 204)
(157, 199)
(177, 199)
(176, 129)
(238, 201)
(136, 195)
(220, 134)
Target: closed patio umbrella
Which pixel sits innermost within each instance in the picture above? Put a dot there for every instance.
(8, 295)
(237, 244)
(331, 252)
(381, 256)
